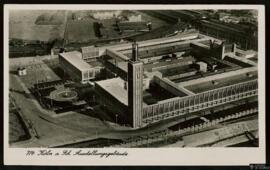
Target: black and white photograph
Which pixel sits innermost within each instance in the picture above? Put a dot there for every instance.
(135, 78)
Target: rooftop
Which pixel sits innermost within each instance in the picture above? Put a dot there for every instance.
(217, 76)
(169, 63)
(95, 63)
(115, 87)
(116, 53)
(152, 42)
(75, 58)
(120, 64)
(226, 81)
(228, 27)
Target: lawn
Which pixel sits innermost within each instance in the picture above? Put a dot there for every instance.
(16, 129)
(38, 73)
(80, 30)
(22, 26)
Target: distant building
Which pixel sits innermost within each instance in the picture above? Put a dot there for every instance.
(246, 38)
(244, 35)
(135, 18)
(21, 71)
(133, 26)
(106, 14)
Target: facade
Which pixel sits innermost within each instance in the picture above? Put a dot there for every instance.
(113, 94)
(77, 69)
(212, 49)
(181, 106)
(90, 53)
(135, 87)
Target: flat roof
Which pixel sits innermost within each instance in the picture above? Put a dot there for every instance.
(75, 58)
(116, 53)
(115, 87)
(168, 62)
(123, 65)
(201, 45)
(222, 26)
(227, 81)
(152, 42)
(217, 76)
(95, 63)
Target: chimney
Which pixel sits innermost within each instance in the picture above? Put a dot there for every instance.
(234, 48)
(222, 50)
(135, 51)
(211, 43)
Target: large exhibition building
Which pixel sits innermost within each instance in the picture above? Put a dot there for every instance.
(165, 78)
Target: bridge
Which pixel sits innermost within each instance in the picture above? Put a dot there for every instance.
(183, 105)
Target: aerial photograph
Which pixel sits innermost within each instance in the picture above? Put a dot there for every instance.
(133, 78)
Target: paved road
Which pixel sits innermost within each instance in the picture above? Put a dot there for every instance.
(69, 128)
(49, 129)
(74, 127)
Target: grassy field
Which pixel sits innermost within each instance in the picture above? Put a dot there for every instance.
(156, 23)
(47, 25)
(37, 73)
(22, 26)
(51, 18)
(16, 130)
(80, 30)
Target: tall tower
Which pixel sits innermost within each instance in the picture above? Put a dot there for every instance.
(135, 87)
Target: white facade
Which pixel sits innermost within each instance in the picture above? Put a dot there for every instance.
(74, 65)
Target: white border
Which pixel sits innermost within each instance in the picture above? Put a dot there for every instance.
(147, 156)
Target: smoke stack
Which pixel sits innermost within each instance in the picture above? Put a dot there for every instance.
(212, 43)
(134, 51)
